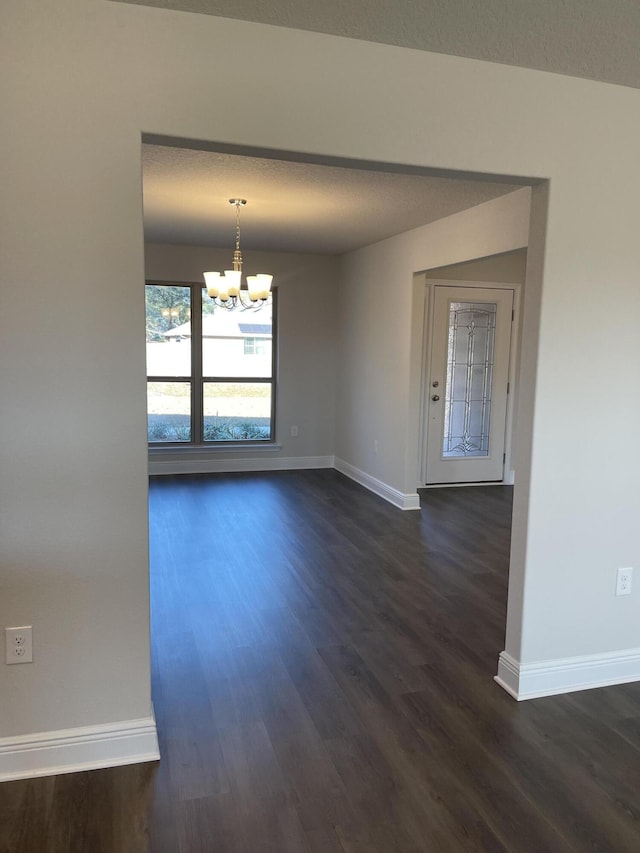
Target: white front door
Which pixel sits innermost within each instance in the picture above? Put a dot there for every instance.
(467, 386)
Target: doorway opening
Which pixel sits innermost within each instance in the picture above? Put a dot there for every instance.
(367, 416)
(471, 353)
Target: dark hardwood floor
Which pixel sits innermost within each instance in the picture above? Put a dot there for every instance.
(323, 683)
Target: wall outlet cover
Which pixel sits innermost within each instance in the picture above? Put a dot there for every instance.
(623, 581)
(19, 644)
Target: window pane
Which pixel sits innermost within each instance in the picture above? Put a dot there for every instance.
(168, 330)
(237, 411)
(169, 411)
(236, 343)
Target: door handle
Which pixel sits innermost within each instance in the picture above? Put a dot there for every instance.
(435, 398)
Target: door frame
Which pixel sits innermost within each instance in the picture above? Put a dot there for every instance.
(508, 472)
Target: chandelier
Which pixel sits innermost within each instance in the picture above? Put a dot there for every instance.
(226, 288)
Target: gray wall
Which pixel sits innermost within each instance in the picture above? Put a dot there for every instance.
(381, 346)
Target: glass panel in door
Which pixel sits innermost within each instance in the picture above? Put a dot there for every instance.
(467, 385)
(470, 357)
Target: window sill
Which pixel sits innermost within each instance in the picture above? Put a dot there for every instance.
(200, 450)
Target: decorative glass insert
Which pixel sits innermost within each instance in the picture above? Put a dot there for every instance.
(470, 357)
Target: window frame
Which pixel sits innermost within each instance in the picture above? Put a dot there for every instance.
(197, 380)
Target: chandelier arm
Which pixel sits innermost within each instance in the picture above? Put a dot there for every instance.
(245, 301)
(228, 304)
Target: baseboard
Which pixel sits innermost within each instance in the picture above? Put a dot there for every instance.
(508, 676)
(566, 675)
(464, 485)
(228, 466)
(193, 465)
(75, 750)
(395, 497)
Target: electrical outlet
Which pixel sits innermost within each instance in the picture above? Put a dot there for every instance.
(294, 431)
(19, 644)
(623, 581)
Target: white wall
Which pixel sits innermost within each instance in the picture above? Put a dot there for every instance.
(81, 80)
(381, 347)
(307, 335)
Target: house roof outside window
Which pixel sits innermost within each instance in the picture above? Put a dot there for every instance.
(228, 324)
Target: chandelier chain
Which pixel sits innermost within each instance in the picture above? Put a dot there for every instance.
(237, 224)
(237, 255)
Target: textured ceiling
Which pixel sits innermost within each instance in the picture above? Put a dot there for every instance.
(313, 208)
(596, 39)
(295, 207)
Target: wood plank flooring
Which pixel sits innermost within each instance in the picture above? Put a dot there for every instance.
(323, 683)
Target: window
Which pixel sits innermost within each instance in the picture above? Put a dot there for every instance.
(257, 346)
(210, 372)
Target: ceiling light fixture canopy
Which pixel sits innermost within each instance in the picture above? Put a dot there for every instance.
(226, 288)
